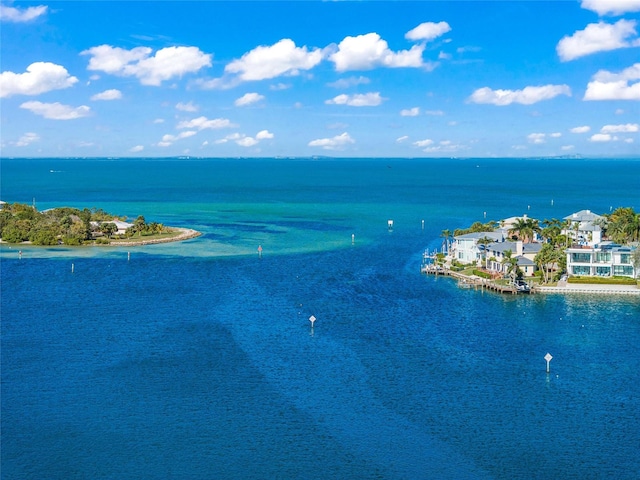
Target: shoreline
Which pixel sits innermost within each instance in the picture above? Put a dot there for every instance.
(185, 234)
(569, 288)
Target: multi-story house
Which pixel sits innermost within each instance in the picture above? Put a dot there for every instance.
(604, 260)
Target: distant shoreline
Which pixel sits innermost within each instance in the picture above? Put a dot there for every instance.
(185, 234)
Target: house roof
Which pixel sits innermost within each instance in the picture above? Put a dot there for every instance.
(497, 236)
(583, 216)
(524, 261)
(504, 246)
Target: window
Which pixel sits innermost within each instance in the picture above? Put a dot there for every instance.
(581, 270)
(625, 270)
(603, 271)
(581, 257)
(625, 258)
(603, 257)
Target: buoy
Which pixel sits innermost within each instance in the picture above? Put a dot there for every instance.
(259, 251)
(548, 358)
(312, 319)
(353, 238)
(72, 267)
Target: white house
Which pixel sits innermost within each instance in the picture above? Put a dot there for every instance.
(605, 260)
(465, 248)
(584, 227)
(122, 226)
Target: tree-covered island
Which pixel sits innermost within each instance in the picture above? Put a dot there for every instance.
(72, 226)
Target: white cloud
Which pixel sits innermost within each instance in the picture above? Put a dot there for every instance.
(555, 135)
(279, 86)
(598, 37)
(159, 120)
(186, 107)
(248, 99)
(372, 99)
(628, 140)
(230, 137)
(582, 129)
(606, 85)
(628, 128)
(282, 58)
(619, 111)
(613, 7)
(369, 51)
(349, 82)
(169, 139)
(445, 146)
(403, 138)
(602, 137)
(423, 143)
(526, 96)
(245, 140)
(436, 113)
(410, 112)
(203, 123)
(111, 94)
(335, 143)
(264, 135)
(428, 31)
(167, 62)
(27, 139)
(56, 111)
(536, 138)
(444, 56)
(17, 15)
(567, 148)
(136, 149)
(40, 77)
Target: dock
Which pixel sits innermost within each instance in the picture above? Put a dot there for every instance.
(473, 281)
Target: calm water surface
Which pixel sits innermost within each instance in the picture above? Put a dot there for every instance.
(197, 360)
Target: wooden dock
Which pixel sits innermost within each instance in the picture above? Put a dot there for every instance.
(465, 281)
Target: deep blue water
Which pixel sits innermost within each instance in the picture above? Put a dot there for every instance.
(197, 360)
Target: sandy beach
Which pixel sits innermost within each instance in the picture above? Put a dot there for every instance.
(185, 234)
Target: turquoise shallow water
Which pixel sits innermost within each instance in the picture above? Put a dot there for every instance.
(196, 359)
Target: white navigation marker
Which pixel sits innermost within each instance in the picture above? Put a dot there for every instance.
(548, 358)
(312, 319)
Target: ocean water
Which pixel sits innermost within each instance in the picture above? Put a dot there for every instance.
(197, 359)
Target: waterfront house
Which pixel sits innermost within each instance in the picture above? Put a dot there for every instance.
(465, 248)
(606, 259)
(525, 254)
(584, 227)
(122, 226)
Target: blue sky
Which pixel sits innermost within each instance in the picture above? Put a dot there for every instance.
(304, 78)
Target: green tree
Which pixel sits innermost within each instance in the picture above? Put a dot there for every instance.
(525, 229)
(623, 225)
(548, 260)
(511, 262)
(446, 234)
(484, 241)
(108, 228)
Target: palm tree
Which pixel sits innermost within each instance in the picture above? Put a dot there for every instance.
(524, 228)
(446, 234)
(547, 259)
(484, 241)
(623, 225)
(511, 263)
